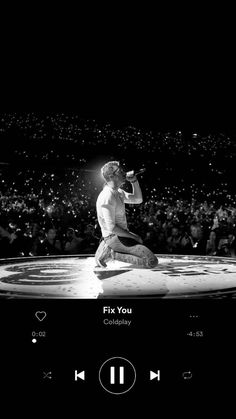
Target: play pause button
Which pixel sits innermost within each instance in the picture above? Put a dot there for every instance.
(117, 375)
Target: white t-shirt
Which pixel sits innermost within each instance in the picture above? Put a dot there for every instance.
(111, 209)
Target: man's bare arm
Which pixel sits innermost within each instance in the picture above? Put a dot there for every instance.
(136, 197)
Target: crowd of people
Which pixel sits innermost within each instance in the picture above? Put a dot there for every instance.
(49, 182)
(66, 224)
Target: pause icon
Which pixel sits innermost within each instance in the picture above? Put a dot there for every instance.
(121, 375)
(117, 375)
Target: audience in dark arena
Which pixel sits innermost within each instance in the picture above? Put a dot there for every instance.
(50, 180)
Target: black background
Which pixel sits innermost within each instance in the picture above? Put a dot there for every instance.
(163, 85)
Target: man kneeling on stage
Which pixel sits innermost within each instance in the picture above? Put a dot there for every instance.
(117, 241)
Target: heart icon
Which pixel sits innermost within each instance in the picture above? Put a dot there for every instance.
(40, 315)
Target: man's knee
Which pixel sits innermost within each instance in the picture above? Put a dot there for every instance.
(148, 257)
(152, 262)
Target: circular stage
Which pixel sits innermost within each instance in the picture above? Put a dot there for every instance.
(76, 277)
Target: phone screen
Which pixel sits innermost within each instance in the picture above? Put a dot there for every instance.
(107, 322)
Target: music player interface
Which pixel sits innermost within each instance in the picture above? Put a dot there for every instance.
(117, 255)
(116, 350)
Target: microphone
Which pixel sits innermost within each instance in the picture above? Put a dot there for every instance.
(133, 173)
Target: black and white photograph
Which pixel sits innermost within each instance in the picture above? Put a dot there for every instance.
(98, 207)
